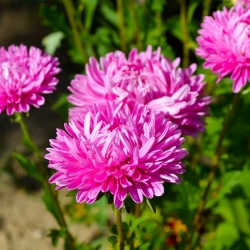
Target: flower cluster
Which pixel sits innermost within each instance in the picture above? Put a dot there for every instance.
(24, 77)
(124, 133)
(224, 43)
(117, 150)
(147, 78)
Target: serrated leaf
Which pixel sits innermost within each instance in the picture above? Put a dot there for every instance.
(151, 205)
(52, 42)
(28, 166)
(113, 240)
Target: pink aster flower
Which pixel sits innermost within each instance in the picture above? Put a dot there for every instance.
(24, 77)
(224, 43)
(243, 2)
(147, 78)
(118, 151)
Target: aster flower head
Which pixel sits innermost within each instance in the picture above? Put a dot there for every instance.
(243, 2)
(119, 151)
(24, 76)
(224, 43)
(147, 78)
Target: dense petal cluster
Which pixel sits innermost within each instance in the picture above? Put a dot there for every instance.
(119, 151)
(24, 76)
(147, 78)
(243, 2)
(224, 43)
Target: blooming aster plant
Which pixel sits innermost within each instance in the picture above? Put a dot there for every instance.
(224, 43)
(24, 76)
(147, 78)
(118, 151)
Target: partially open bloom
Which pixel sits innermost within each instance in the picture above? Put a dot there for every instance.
(147, 78)
(224, 43)
(118, 151)
(24, 77)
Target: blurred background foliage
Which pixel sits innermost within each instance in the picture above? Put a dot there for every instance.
(85, 28)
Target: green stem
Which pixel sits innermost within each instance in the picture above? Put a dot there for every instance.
(83, 30)
(120, 13)
(183, 16)
(70, 10)
(136, 23)
(215, 165)
(119, 228)
(206, 8)
(137, 210)
(36, 151)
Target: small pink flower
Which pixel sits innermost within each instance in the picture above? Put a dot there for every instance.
(224, 43)
(147, 78)
(24, 77)
(118, 151)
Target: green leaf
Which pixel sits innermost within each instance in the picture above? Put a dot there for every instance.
(144, 246)
(228, 182)
(29, 144)
(90, 7)
(50, 205)
(71, 193)
(109, 13)
(127, 208)
(244, 180)
(226, 235)
(151, 205)
(55, 235)
(61, 106)
(137, 222)
(113, 240)
(174, 26)
(241, 218)
(28, 166)
(52, 42)
(191, 10)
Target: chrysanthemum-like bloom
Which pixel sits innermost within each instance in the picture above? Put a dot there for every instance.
(24, 77)
(117, 151)
(243, 2)
(224, 43)
(147, 78)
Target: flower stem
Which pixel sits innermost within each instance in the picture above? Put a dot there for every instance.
(183, 16)
(136, 23)
(120, 13)
(119, 228)
(137, 210)
(206, 8)
(37, 154)
(215, 165)
(70, 10)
